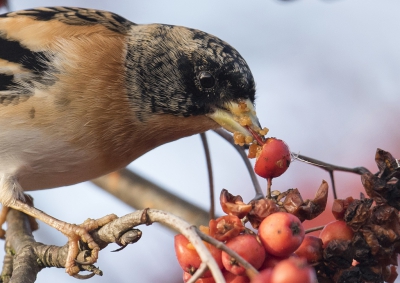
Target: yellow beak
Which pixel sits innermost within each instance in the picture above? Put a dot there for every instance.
(239, 117)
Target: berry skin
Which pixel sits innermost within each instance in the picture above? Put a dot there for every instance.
(273, 160)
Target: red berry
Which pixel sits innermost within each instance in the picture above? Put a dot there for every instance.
(263, 277)
(273, 160)
(293, 270)
(281, 233)
(225, 227)
(188, 257)
(187, 276)
(232, 278)
(248, 247)
(270, 261)
(336, 230)
(310, 249)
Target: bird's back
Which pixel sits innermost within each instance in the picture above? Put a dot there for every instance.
(30, 39)
(62, 95)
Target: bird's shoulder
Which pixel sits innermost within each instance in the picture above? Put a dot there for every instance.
(73, 16)
(31, 39)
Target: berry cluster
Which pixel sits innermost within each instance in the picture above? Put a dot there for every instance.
(269, 251)
(361, 245)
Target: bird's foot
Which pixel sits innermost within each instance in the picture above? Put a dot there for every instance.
(75, 233)
(3, 215)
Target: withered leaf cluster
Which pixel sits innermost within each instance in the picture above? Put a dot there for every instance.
(384, 186)
(289, 201)
(376, 225)
(308, 209)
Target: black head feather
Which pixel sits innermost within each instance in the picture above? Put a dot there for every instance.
(184, 71)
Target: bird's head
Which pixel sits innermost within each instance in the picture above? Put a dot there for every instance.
(187, 72)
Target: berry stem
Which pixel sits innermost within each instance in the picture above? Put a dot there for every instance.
(314, 229)
(330, 168)
(228, 137)
(250, 270)
(269, 184)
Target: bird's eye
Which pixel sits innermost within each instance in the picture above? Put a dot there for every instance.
(206, 80)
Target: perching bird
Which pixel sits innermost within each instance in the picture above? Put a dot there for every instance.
(85, 92)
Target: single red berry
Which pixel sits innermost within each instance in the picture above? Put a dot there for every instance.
(336, 230)
(188, 257)
(281, 233)
(248, 247)
(310, 249)
(273, 160)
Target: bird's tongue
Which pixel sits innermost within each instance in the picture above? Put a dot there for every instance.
(258, 137)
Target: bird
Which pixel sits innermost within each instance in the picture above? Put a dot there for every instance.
(85, 92)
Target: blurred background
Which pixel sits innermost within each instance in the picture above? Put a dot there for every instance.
(327, 75)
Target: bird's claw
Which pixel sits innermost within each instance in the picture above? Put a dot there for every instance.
(119, 249)
(85, 266)
(83, 277)
(81, 232)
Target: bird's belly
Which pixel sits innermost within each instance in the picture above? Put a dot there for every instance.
(40, 161)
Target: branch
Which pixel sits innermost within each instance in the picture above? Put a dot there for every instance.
(228, 137)
(149, 216)
(21, 260)
(326, 166)
(330, 168)
(210, 174)
(140, 193)
(25, 257)
(250, 270)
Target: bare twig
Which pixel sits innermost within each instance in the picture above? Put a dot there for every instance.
(189, 231)
(141, 193)
(210, 174)
(330, 168)
(20, 240)
(228, 137)
(250, 270)
(199, 272)
(110, 231)
(29, 257)
(314, 229)
(6, 272)
(326, 166)
(269, 185)
(333, 184)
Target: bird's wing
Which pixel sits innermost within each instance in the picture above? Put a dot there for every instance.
(29, 40)
(76, 16)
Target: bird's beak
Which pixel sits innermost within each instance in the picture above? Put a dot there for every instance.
(240, 118)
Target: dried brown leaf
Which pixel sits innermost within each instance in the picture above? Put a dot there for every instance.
(293, 201)
(349, 275)
(358, 213)
(362, 251)
(385, 236)
(309, 209)
(233, 205)
(387, 164)
(371, 274)
(374, 187)
(260, 210)
(371, 240)
(338, 254)
(340, 206)
(381, 191)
